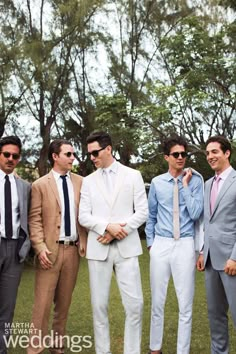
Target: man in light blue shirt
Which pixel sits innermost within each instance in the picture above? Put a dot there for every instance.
(175, 203)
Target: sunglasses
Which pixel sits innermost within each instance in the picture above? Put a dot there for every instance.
(176, 154)
(7, 154)
(95, 153)
(68, 154)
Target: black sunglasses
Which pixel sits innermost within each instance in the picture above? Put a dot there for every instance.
(176, 154)
(7, 154)
(95, 153)
(68, 154)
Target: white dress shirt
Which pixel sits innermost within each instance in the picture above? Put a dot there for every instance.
(15, 206)
(58, 180)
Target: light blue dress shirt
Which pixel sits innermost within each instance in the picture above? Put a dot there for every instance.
(160, 203)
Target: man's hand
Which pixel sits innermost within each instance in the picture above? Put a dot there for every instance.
(117, 231)
(44, 260)
(105, 239)
(187, 176)
(230, 267)
(200, 263)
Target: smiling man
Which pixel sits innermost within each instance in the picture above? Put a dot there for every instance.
(113, 205)
(175, 202)
(14, 238)
(57, 239)
(219, 253)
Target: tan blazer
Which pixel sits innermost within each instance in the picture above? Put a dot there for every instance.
(45, 215)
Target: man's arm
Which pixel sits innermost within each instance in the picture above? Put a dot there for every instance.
(140, 205)
(152, 216)
(36, 228)
(193, 198)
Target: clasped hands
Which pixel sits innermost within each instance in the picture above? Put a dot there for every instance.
(113, 231)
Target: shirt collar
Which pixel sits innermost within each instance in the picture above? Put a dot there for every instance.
(113, 167)
(225, 173)
(57, 175)
(169, 177)
(3, 174)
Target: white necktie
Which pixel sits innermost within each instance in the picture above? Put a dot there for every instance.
(108, 181)
(176, 228)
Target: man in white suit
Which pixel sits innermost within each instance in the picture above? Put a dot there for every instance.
(219, 252)
(113, 205)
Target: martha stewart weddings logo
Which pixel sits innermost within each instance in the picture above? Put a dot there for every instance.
(23, 334)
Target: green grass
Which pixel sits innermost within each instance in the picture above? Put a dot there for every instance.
(80, 318)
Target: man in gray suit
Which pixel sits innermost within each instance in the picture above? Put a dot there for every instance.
(219, 253)
(14, 239)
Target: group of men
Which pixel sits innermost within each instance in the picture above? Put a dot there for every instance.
(99, 217)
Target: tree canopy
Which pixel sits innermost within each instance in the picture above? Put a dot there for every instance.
(140, 70)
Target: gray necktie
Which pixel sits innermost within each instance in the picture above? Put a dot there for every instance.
(176, 228)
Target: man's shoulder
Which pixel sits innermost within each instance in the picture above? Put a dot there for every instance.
(75, 176)
(23, 182)
(128, 169)
(161, 177)
(42, 180)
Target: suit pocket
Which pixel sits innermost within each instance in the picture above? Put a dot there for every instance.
(228, 240)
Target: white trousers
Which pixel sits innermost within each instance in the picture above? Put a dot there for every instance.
(129, 282)
(177, 258)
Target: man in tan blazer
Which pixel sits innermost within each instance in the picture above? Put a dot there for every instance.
(58, 241)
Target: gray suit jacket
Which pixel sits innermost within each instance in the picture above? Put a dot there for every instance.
(220, 227)
(23, 189)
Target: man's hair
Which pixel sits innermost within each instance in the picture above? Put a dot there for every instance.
(224, 143)
(10, 140)
(102, 138)
(172, 141)
(55, 148)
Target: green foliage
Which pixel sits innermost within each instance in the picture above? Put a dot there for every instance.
(138, 69)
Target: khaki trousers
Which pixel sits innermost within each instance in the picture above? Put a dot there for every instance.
(56, 286)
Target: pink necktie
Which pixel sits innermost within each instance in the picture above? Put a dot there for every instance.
(214, 192)
(176, 227)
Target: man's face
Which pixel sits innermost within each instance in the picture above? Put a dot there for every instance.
(11, 158)
(64, 160)
(175, 160)
(217, 159)
(100, 159)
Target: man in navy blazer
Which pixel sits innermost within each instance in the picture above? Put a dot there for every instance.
(219, 253)
(14, 238)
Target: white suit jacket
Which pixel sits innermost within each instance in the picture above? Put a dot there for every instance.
(127, 204)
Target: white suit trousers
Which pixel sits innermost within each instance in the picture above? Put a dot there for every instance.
(177, 258)
(129, 282)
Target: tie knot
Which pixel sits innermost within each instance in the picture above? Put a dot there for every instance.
(7, 178)
(106, 171)
(63, 176)
(217, 179)
(175, 180)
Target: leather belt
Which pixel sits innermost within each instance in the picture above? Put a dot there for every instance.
(67, 243)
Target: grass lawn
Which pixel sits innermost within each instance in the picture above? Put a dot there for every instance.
(80, 318)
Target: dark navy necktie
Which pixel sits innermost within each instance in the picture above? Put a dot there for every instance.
(8, 208)
(66, 205)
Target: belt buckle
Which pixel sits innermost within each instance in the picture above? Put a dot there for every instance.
(67, 242)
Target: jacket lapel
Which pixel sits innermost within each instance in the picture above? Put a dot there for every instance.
(53, 186)
(119, 181)
(19, 187)
(225, 187)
